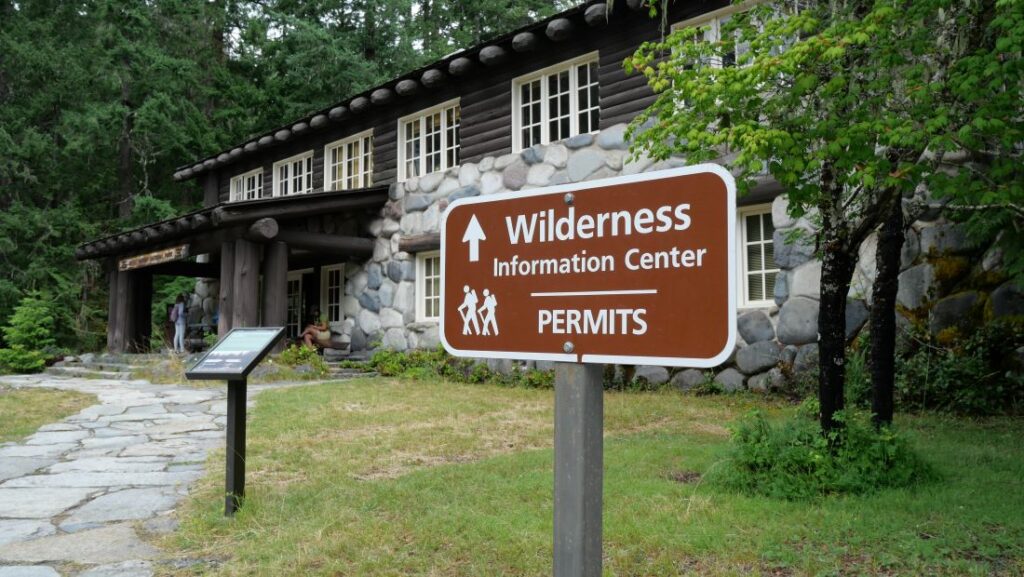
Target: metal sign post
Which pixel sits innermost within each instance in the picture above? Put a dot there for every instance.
(231, 359)
(635, 269)
(579, 469)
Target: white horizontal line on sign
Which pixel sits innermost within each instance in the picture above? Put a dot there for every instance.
(596, 293)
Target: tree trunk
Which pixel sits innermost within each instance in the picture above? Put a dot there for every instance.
(883, 316)
(124, 157)
(836, 273)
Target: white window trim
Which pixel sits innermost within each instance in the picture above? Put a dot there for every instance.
(517, 119)
(706, 17)
(400, 127)
(242, 177)
(343, 142)
(743, 302)
(324, 296)
(282, 162)
(421, 292)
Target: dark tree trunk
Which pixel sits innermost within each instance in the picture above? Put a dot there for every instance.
(836, 273)
(124, 158)
(883, 316)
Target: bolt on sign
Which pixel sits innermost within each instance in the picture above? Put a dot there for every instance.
(634, 270)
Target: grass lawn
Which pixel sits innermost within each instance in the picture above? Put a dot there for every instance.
(22, 411)
(392, 477)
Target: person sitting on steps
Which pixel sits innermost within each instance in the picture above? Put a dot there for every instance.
(317, 334)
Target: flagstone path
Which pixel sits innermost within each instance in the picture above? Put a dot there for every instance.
(74, 496)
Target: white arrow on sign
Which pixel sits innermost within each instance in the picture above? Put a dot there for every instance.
(473, 235)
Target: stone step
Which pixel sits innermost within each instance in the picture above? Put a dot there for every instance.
(85, 373)
(338, 371)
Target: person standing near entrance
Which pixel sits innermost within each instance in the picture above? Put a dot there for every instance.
(178, 316)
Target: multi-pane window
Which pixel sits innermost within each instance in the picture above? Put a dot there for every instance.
(349, 163)
(294, 298)
(331, 292)
(428, 286)
(248, 186)
(556, 103)
(294, 175)
(759, 268)
(429, 141)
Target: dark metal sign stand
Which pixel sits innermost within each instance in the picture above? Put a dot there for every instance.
(231, 359)
(579, 469)
(234, 479)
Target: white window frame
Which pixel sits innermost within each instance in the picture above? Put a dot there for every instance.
(365, 138)
(744, 301)
(308, 176)
(714, 20)
(421, 117)
(421, 286)
(325, 298)
(542, 74)
(239, 195)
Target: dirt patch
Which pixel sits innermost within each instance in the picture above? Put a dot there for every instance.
(684, 476)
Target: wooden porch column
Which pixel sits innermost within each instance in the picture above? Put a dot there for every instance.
(113, 311)
(275, 284)
(244, 311)
(227, 291)
(275, 287)
(141, 311)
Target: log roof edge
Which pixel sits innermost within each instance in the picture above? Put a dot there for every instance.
(226, 215)
(199, 166)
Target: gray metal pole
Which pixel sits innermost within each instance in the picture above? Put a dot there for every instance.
(579, 469)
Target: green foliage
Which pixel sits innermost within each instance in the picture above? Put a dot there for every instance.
(29, 335)
(428, 364)
(851, 107)
(100, 102)
(794, 460)
(301, 355)
(978, 375)
(708, 386)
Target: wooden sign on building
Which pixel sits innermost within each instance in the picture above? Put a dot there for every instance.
(173, 253)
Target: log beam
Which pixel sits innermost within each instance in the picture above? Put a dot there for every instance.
(559, 29)
(340, 245)
(420, 242)
(525, 42)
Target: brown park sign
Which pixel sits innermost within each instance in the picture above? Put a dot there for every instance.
(634, 270)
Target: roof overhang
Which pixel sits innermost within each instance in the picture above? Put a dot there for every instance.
(228, 215)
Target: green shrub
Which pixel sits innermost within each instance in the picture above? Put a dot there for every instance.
(794, 460)
(29, 336)
(977, 375)
(708, 386)
(422, 364)
(298, 355)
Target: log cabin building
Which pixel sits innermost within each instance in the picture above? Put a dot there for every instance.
(339, 211)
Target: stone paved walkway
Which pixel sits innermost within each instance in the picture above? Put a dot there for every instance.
(74, 495)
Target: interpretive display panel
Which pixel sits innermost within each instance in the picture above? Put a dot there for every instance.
(236, 354)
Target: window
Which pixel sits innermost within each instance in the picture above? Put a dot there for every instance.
(757, 259)
(428, 286)
(348, 163)
(294, 318)
(555, 103)
(248, 186)
(294, 175)
(428, 141)
(332, 289)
